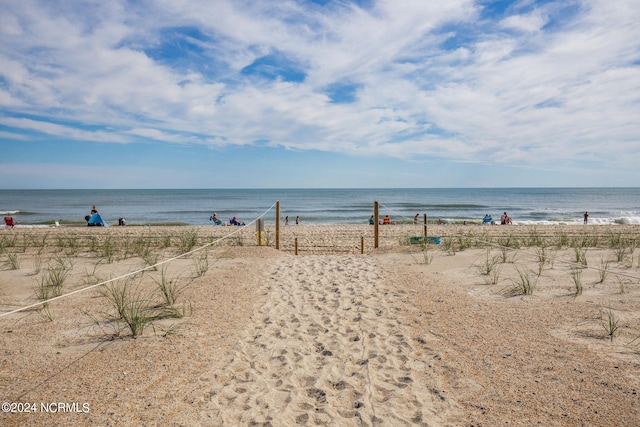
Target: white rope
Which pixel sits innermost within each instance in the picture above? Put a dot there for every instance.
(77, 291)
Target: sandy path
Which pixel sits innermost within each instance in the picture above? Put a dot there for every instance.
(328, 348)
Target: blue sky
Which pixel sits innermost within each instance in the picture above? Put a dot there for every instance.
(324, 93)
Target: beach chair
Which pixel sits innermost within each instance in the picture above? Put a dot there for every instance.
(9, 222)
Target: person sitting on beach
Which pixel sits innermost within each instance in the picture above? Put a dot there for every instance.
(487, 219)
(235, 221)
(386, 220)
(215, 219)
(504, 219)
(94, 211)
(122, 222)
(371, 220)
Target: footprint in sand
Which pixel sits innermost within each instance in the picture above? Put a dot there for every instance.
(326, 349)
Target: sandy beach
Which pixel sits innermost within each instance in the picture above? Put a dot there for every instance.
(341, 334)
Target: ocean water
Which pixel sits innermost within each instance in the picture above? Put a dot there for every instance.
(324, 206)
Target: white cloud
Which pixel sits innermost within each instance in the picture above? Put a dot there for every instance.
(536, 86)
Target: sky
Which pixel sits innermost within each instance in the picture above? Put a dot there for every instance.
(319, 93)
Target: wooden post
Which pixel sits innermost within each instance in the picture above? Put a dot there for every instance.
(278, 224)
(375, 224)
(361, 245)
(296, 246)
(425, 227)
(259, 226)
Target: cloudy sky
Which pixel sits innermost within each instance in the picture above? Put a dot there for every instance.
(319, 93)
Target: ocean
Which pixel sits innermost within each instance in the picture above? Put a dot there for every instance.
(323, 206)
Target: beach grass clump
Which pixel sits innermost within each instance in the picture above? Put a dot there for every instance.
(534, 239)
(603, 270)
(170, 287)
(92, 277)
(60, 242)
(39, 242)
(509, 241)
(490, 267)
(107, 249)
(70, 245)
(586, 241)
(464, 242)
(488, 264)
(37, 264)
(504, 255)
(201, 263)
(238, 240)
(615, 240)
(151, 258)
(126, 248)
(136, 307)
(187, 241)
(165, 241)
(524, 283)
(620, 252)
(133, 305)
(51, 281)
(141, 247)
(543, 257)
(580, 255)
(610, 322)
(427, 255)
(12, 261)
(7, 242)
(448, 245)
(576, 276)
(562, 240)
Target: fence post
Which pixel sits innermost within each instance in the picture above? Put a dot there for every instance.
(361, 245)
(278, 224)
(296, 246)
(375, 224)
(259, 228)
(425, 227)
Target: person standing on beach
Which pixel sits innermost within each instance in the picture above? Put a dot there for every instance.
(297, 220)
(586, 217)
(286, 220)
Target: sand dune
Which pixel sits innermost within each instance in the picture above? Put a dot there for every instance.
(393, 337)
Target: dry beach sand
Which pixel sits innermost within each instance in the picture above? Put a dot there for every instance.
(399, 335)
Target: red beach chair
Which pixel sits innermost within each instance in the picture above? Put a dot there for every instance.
(8, 221)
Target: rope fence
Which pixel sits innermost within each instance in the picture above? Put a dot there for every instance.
(138, 271)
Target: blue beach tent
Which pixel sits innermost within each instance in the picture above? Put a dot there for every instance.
(96, 220)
